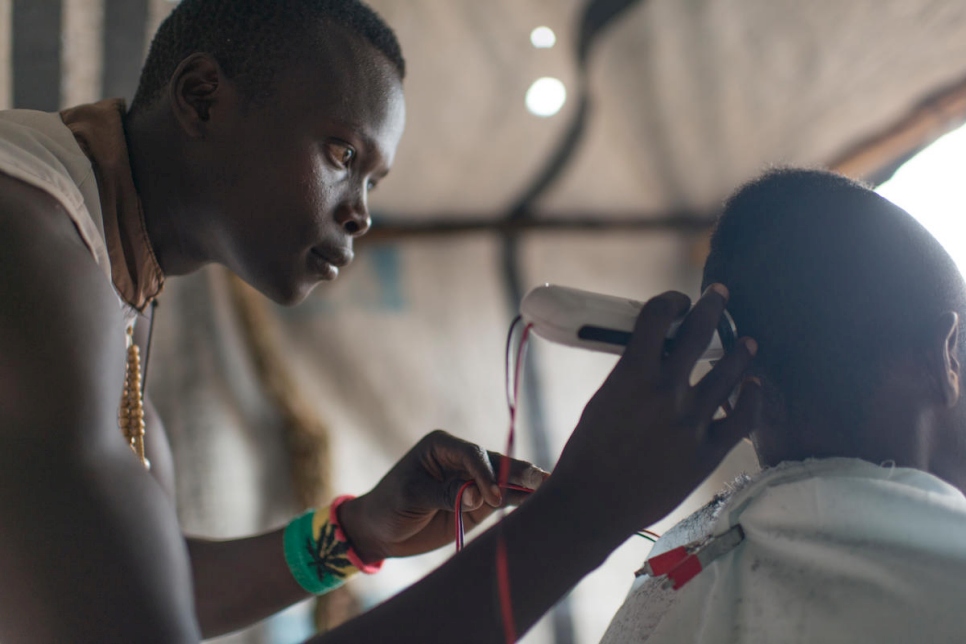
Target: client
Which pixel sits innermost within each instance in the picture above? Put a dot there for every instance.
(854, 530)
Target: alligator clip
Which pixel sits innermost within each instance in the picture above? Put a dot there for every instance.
(682, 564)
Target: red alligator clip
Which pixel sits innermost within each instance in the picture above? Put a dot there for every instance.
(683, 563)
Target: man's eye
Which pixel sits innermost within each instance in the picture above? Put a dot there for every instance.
(342, 154)
(370, 186)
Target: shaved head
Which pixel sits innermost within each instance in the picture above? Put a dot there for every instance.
(833, 281)
(253, 40)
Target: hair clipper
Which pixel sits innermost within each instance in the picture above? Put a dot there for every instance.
(600, 322)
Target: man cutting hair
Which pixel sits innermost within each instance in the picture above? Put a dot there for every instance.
(258, 129)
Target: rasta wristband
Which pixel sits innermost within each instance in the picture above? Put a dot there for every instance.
(318, 552)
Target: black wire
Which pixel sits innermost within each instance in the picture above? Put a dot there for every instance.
(147, 349)
(509, 360)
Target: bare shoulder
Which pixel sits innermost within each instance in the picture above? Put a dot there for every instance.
(63, 460)
(60, 332)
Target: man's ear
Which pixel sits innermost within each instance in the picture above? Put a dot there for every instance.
(195, 86)
(944, 362)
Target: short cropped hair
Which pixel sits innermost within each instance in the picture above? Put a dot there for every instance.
(252, 39)
(831, 279)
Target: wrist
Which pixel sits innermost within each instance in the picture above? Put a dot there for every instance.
(601, 521)
(317, 551)
(552, 536)
(352, 517)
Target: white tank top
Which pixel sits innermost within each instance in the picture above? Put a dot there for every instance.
(38, 149)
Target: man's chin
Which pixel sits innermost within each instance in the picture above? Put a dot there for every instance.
(284, 293)
(292, 295)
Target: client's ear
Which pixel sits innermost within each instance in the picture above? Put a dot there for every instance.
(944, 357)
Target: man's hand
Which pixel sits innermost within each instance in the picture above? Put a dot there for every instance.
(648, 438)
(644, 442)
(410, 511)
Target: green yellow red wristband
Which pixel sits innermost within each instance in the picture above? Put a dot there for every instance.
(318, 552)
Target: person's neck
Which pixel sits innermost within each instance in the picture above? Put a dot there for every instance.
(947, 453)
(906, 436)
(914, 431)
(161, 180)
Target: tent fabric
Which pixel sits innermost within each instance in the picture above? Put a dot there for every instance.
(688, 98)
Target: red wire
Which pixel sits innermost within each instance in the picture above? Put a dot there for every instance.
(457, 508)
(502, 562)
(503, 579)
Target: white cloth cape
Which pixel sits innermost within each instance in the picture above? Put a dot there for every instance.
(836, 550)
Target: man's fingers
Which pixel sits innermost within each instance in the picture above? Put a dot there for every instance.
(477, 464)
(694, 334)
(472, 499)
(717, 385)
(458, 461)
(522, 473)
(452, 461)
(746, 417)
(643, 353)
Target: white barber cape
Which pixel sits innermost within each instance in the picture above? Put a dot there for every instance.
(835, 550)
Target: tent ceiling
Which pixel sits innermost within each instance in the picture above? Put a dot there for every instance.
(689, 98)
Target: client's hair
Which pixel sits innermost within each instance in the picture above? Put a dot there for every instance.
(831, 280)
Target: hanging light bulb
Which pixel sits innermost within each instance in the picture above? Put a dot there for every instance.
(546, 96)
(543, 38)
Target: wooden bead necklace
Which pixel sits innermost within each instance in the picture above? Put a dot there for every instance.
(131, 413)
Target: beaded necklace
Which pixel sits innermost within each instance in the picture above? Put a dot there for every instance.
(131, 413)
(134, 269)
(130, 416)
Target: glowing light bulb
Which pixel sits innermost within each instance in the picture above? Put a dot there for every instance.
(543, 38)
(546, 96)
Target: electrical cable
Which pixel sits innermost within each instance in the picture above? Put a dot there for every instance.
(510, 393)
(502, 563)
(147, 349)
(458, 511)
(503, 476)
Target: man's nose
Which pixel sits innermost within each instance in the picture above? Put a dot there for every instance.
(354, 217)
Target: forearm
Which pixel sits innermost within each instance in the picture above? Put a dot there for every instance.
(550, 547)
(240, 582)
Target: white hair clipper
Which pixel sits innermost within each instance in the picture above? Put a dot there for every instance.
(605, 323)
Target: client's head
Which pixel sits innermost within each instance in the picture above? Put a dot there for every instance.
(856, 309)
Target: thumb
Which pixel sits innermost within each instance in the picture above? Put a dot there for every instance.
(472, 498)
(448, 492)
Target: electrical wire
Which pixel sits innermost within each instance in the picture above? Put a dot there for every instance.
(147, 349)
(513, 369)
(508, 364)
(458, 511)
(502, 563)
(513, 373)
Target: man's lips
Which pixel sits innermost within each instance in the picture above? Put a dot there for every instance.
(328, 261)
(338, 257)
